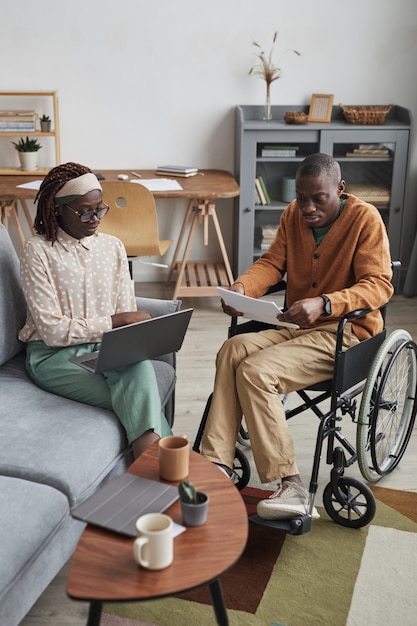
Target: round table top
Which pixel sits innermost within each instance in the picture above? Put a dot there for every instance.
(103, 569)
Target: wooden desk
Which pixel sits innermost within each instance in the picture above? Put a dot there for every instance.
(102, 568)
(194, 278)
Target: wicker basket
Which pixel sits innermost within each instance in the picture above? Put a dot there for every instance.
(366, 114)
(295, 117)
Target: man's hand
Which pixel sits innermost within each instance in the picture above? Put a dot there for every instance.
(237, 288)
(303, 312)
(129, 317)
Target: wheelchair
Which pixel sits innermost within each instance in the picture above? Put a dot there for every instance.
(374, 383)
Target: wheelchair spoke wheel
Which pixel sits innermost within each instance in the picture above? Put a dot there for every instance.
(241, 470)
(353, 505)
(388, 407)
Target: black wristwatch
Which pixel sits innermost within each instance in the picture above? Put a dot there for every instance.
(327, 310)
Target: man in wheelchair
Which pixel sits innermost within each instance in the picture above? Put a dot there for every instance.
(334, 249)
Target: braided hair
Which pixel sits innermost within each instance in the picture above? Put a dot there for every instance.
(46, 222)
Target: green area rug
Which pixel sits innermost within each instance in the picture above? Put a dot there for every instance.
(331, 576)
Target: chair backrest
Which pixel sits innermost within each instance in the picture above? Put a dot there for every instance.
(132, 218)
(12, 301)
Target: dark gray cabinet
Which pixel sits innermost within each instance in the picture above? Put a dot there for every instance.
(378, 179)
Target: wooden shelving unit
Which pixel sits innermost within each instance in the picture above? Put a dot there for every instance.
(41, 102)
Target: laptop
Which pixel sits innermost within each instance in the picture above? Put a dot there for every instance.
(137, 342)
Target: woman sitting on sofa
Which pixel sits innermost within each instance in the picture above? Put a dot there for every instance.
(77, 286)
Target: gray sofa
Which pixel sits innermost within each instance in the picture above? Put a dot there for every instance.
(54, 453)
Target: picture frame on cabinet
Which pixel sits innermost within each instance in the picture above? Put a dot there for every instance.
(321, 107)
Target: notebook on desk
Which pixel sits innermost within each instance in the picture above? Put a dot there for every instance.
(137, 342)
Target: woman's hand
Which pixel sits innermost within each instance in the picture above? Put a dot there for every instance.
(129, 317)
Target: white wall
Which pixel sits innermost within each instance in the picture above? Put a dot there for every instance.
(143, 83)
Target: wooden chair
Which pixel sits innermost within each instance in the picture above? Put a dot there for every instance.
(133, 219)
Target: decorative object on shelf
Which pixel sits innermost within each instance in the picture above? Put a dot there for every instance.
(194, 504)
(296, 117)
(366, 114)
(268, 71)
(28, 153)
(45, 122)
(321, 107)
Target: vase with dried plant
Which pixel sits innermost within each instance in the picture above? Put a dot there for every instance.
(268, 71)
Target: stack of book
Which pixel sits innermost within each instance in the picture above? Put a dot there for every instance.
(370, 150)
(269, 150)
(261, 192)
(177, 170)
(268, 236)
(17, 121)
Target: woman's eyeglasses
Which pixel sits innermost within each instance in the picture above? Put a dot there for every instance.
(86, 216)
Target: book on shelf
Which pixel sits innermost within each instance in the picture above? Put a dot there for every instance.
(279, 151)
(268, 235)
(18, 116)
(264, 190)
(260, 192)
(258, 199)
(369, 150)
(177, 170)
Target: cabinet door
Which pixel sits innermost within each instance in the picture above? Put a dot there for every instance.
(373, 163)
(261, 157)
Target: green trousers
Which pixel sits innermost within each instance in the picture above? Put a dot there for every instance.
(131, 392)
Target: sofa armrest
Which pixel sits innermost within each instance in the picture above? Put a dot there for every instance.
(157, 307)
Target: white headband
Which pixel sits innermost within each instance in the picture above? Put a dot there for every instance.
(79, 186)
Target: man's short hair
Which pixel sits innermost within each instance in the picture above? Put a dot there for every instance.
(318, 164)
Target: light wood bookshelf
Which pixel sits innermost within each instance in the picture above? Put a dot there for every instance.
(50, 99)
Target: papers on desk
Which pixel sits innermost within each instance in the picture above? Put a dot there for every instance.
(34, 184)
(158, 184)
(254, 308)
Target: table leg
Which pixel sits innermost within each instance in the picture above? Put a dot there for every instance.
(218, 603)
(180, 239)
(94, 614)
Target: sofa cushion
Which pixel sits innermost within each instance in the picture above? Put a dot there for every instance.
(37, 536)
(12, 302)
(48, 439)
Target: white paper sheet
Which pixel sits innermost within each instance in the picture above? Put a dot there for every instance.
(34, 184)
(254, 308)
(158, 184)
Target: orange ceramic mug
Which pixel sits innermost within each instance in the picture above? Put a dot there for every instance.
(174, 458)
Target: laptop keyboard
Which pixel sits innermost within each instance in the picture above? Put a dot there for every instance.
(90, 362)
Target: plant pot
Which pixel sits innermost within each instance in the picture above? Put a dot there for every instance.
(45, 127)
(195, 514)
(28, 161)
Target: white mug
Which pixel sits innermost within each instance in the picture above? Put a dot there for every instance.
(154, 546)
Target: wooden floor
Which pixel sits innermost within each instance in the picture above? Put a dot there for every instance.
(195, 364)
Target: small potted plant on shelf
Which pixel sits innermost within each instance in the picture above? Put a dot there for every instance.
(45, 122)
(28, 153)
(194, 504)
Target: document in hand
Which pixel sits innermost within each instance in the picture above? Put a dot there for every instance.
(254, 308)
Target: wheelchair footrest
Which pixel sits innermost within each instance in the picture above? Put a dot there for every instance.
(297, 526)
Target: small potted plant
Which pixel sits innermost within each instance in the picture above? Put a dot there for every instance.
(45, 122)
(28, 153)
(194, 504)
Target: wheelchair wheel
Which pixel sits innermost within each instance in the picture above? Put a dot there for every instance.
(241, 470)
(388, 407)
(353, 505)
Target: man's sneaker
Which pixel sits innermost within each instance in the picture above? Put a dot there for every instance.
(289, 501)
(228, 472)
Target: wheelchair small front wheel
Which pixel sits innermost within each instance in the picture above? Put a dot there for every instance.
(358, 508)
(241, 470)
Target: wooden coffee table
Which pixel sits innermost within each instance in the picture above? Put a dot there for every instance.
(102, 568)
